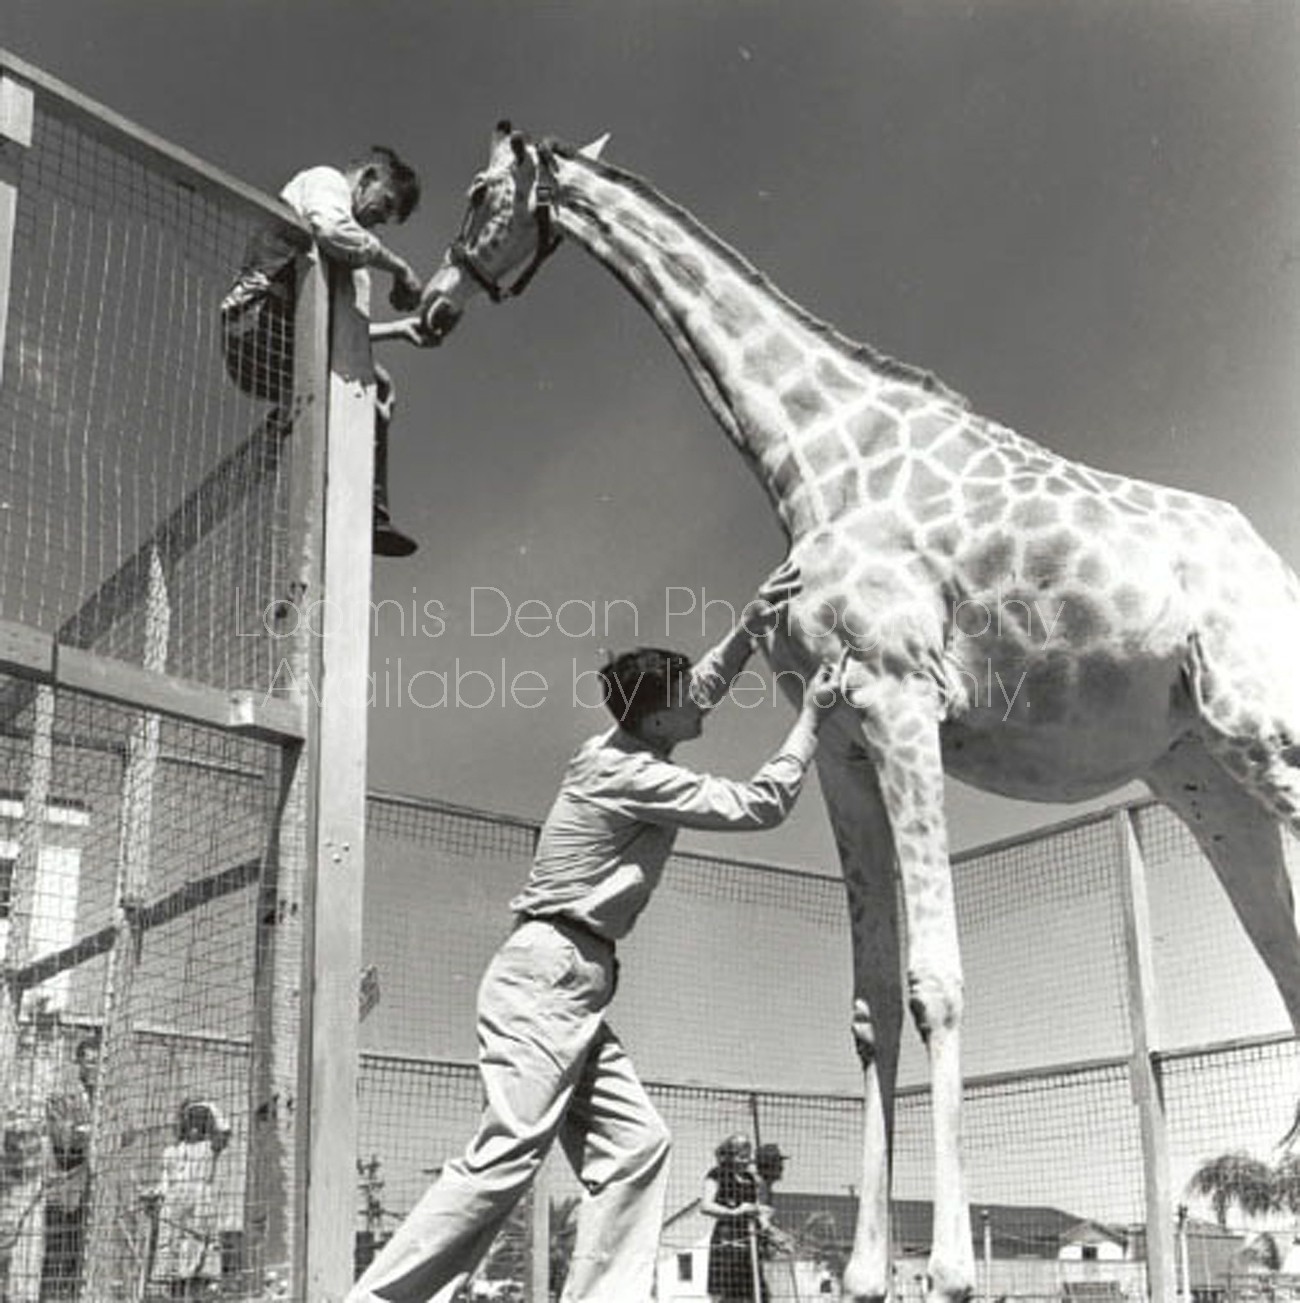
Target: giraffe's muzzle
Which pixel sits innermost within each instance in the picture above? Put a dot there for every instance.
(438, 320)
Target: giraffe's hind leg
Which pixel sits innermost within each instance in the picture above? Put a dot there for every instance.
(1254, 733)
(1242, 839)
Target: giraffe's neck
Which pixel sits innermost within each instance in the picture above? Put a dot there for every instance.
(796, 398)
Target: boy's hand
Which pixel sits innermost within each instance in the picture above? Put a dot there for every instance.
(407, 328)
(763, 612)
(411, 330)
(406, 291)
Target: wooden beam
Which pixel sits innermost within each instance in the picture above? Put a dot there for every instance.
(539, 1231)
(337, 884)
(30, 654)
(16, 112)
(275, 1191)
(26, 652)
(250, 714)
(21, 1092)
(166, 909)
(1147, 1087)
(15, 134)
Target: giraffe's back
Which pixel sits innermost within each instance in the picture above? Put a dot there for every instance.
(1056, 605)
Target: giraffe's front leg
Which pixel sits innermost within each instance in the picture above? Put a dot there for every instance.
(847, 779)
(900, 719)
(848, 784)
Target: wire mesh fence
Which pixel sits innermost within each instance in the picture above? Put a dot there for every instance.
(153, 830)
(122, 438)
(126, 1101)
(734, 998)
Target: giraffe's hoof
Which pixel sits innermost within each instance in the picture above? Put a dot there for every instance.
(947, 1286)
(862, 1286)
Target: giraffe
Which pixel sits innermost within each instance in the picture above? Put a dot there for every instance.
(1033, 626)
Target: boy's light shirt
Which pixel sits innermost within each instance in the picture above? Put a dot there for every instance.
(322, 197)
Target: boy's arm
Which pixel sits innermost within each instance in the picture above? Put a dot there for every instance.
(716, 670)
(407, 328)
(323, 199)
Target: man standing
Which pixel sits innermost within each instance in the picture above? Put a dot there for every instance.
(552, 1067)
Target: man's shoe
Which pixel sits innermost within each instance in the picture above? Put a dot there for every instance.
(385, 540)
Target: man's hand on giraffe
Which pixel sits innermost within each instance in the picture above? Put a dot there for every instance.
(763, 612)
(824, 690)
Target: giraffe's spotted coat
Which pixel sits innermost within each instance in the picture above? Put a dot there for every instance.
(1153, 630)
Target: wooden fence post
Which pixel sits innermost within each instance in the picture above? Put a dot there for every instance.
(1148, 1092)
(274, 1198)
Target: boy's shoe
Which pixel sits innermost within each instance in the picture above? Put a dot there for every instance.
(386, 539)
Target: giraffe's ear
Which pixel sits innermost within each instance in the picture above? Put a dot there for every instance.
(596, 147)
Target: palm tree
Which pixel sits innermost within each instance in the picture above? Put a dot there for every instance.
(1261, 1254)
(1286, 1183)
(1240, 1180)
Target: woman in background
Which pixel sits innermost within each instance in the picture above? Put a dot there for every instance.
(732, 1196)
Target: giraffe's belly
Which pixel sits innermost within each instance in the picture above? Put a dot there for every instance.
(1063, 728)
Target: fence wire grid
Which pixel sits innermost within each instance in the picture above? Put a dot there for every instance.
(1052, 1139)
(134, 1047)
(145, 521)
(120, 432)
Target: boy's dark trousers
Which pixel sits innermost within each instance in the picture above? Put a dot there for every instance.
(257, 343)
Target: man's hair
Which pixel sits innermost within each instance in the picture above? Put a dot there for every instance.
(768, 1161)
(400, 175)
(644, 680)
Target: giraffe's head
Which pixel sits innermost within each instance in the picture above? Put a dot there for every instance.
(506, 232)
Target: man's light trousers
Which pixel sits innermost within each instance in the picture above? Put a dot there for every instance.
(551, 1069)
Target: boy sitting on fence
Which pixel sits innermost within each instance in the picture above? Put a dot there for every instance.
(340, 208)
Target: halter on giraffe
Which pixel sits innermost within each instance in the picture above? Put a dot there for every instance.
(1131, 630)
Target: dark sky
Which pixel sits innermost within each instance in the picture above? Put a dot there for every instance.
(1084, 214)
